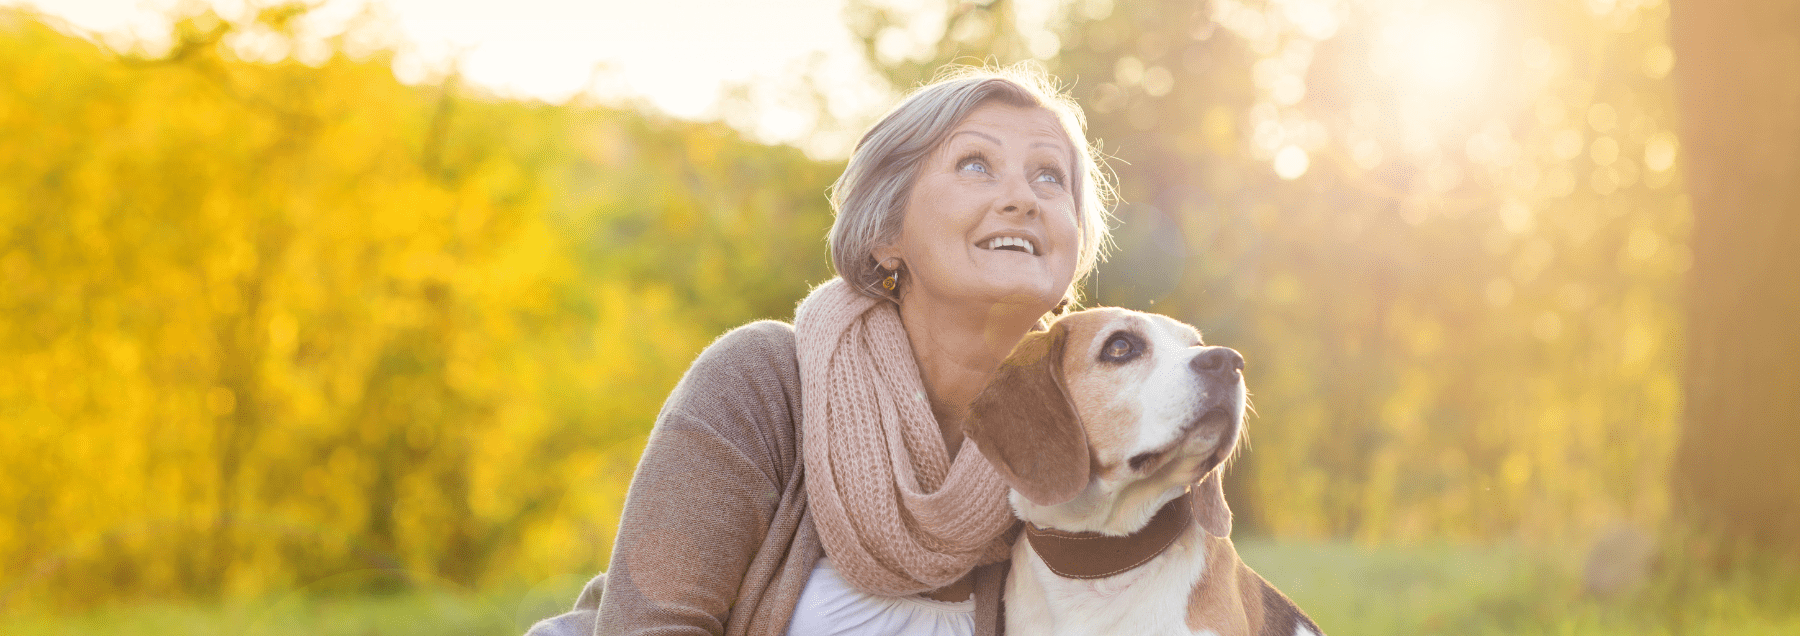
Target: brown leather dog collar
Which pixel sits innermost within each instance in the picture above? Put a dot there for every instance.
(1091, 555)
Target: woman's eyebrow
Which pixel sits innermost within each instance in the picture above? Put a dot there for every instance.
(995, 140)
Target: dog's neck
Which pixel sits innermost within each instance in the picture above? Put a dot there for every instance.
(1091, 555)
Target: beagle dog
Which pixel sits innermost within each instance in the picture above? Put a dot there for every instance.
(1110, 427)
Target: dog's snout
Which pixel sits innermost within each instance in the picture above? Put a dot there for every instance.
(1216, 360)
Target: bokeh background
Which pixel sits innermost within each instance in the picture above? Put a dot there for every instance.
(299, 334)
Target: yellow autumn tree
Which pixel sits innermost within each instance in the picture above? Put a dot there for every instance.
(268, 322)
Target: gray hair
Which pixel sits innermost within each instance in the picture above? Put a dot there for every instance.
(869, 199)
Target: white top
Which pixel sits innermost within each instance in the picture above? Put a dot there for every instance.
(829, 606)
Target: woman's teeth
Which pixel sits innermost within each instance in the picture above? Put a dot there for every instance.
(1012, 243)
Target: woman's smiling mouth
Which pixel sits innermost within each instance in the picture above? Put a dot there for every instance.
(1011, 243)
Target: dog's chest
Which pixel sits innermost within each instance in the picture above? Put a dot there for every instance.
(1151, 599)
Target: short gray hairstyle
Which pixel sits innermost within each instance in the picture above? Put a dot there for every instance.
(869, 199)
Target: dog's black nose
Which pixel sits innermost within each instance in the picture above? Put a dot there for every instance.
(1217, 360)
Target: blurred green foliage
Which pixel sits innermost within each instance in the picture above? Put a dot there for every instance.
(265, 323)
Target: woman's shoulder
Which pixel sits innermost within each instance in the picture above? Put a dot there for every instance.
(749, 372)
(757, 338)
(744, 388)
(763, 345)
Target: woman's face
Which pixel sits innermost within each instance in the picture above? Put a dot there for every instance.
(991, 216)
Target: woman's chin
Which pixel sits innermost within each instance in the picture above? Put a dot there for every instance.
(997, 297)
(1030, 303)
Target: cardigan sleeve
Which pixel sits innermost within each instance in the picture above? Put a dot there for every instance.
(707, 489)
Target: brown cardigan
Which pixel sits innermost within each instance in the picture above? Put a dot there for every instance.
(715, 537)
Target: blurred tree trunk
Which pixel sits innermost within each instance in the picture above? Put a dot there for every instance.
(1737, 470)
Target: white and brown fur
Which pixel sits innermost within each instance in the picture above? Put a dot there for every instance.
(1092, 442)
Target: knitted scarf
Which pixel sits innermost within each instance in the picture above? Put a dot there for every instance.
(897, 515)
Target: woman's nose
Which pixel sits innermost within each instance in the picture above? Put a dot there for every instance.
(1019, 198)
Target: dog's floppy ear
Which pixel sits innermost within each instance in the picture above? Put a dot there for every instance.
(1209, 504)
(1025, 425)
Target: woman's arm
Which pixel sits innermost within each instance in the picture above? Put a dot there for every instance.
(707, 489)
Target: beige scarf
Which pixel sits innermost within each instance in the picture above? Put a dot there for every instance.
(896, 514)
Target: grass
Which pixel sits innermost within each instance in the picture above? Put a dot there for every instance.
(323, 609)
(1349, 590)
(1475, 591)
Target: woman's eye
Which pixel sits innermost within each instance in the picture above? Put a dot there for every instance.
(1050, 177)
(1118, 348)
(973, 164)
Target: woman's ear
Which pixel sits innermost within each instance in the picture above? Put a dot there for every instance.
(884, 252)
(1025, 425)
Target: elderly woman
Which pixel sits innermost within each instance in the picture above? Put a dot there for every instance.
(813, 479)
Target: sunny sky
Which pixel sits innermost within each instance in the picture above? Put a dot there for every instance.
(676, 54)
(681, 56)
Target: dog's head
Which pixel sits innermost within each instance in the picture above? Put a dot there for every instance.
(1108, 414)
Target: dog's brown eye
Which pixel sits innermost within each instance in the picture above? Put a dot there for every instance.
(1119, 348)
(1140, 460)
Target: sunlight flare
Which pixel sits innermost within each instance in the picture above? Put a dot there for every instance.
(1438, 59)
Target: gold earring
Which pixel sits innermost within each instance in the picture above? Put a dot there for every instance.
(892, 265)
